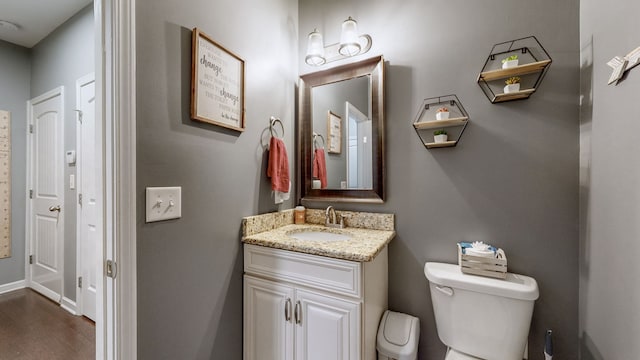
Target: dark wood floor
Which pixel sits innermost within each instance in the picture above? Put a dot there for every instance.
(33, 327)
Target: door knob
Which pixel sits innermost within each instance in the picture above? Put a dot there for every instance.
(54, 208)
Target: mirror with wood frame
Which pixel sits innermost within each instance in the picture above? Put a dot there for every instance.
(341, 133)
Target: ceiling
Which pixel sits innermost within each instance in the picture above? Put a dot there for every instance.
(35, 18)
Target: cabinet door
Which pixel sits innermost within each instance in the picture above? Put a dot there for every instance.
(326, 327)
(268, 320)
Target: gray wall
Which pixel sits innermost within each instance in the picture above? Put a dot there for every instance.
(190, 269)
(15, 72)
(609, 178)
(60, 59)
(513, 178)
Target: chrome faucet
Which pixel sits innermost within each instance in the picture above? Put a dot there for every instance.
(330, 218)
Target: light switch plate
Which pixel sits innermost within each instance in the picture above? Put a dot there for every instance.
(163, 203)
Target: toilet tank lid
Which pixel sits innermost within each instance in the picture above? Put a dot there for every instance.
(514, 286)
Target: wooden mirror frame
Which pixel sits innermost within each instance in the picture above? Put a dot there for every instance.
(373, 67)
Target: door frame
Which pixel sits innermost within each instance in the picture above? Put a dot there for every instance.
(83, 80)
(116, 308)
(28, 244)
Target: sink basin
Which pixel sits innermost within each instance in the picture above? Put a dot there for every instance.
(318, 235)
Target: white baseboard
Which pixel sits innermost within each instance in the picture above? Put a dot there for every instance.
(69, 305)
(16, 285)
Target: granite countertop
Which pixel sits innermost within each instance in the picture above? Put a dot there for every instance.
(364, 245)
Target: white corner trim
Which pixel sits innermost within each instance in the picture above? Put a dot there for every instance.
(120, 177)
(69, 305)
(16, 285)
(125, 183)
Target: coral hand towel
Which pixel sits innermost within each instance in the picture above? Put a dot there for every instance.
(278, 168)
(320, 167)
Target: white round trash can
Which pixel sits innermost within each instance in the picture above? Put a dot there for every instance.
(398, 336)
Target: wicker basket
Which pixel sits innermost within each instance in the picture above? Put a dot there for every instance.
(483, 266)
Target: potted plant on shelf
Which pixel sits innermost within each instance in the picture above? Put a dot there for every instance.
(509, 62)
(440, 136)
(442, 113)
(513, 85)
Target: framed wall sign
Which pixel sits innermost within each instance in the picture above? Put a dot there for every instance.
(217, 84)
(334, 133)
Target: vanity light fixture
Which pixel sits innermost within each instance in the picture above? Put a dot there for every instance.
(351, 44)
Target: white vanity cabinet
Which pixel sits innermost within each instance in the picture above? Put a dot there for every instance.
(308, 307)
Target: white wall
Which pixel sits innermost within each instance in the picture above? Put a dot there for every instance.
(609, 184)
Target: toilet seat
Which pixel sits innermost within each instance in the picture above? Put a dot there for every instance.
(456, 355)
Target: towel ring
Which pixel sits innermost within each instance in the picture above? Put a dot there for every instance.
(315, 142)
(272, 122)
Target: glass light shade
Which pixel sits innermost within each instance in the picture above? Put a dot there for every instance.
(315, 49)
(349, 45)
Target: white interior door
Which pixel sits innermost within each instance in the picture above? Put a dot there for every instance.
(46, 183)
(87, 171)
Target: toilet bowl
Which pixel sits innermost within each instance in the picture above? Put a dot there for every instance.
(479, 317)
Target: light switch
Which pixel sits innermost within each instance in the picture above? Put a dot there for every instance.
(164, 203)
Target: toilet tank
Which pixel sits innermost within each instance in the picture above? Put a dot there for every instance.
(483, 317)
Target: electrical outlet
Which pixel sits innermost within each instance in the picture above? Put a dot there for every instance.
(163, 203)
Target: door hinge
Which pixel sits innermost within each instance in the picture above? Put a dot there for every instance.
(80, 282)
(111, 269)
(79, 115)
(30, 129)
(80, 199)
(30, 259)
(30, 194)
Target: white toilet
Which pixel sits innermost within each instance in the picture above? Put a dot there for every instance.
(480, 317)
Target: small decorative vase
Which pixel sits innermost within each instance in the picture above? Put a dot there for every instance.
(442, 115)
(512, 88)
(440, 138)
(509, 64)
